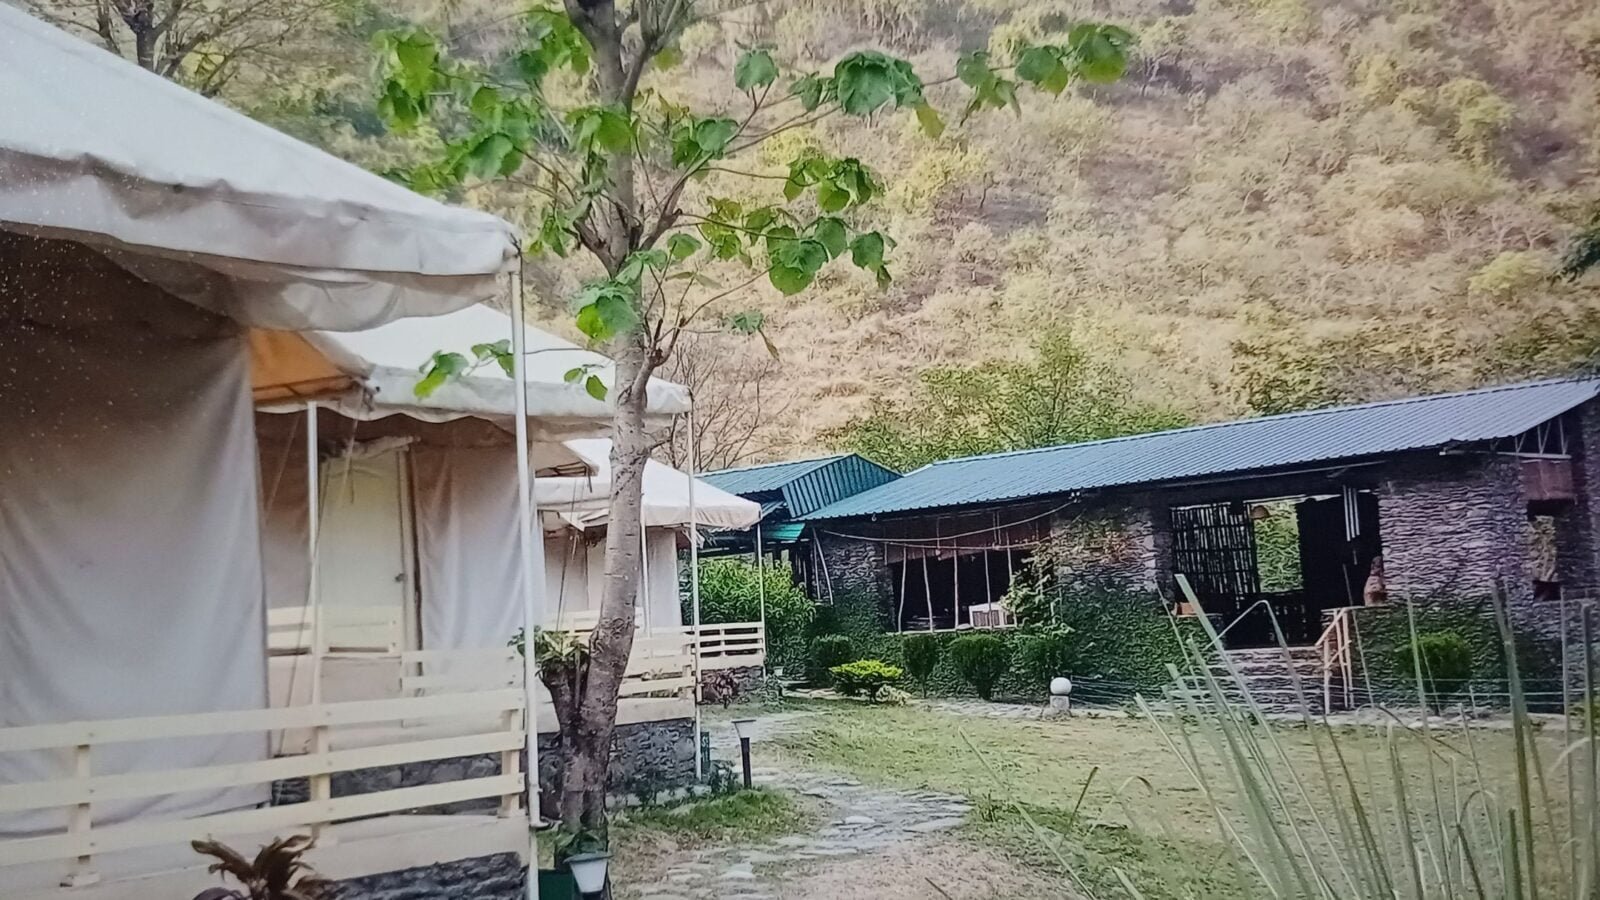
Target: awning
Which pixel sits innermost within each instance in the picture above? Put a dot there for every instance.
(378, 370)
(215, 207)
(583, 501)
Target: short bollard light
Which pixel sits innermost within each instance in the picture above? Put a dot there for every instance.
(589, 871)
(744, 747)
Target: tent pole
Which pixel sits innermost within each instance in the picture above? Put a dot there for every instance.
(644, 577)
(694, 593)
(313, 526)
(761, 593)
(532, 567)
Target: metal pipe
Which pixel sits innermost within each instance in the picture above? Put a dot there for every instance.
(313, 527)
(532, 567)
(761, 593)
(694, 595)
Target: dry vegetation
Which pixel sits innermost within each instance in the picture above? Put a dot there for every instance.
(1369, 195)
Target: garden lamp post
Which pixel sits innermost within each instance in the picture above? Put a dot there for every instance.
(744, 747)
(589, 871)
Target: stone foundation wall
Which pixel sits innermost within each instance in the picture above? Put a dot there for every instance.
(498, 877)
(645, 757)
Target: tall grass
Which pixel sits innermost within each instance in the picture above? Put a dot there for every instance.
(1444, 808)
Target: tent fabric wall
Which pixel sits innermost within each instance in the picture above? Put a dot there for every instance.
(575, 575)
(129, 581)
(466, 503)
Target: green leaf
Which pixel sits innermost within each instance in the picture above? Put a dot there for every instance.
(863, 82)
(867, 249)
(573, 374)
(634, 266)
(416, 54)
(754, 69)
(930, 120)
(595, 387)
(437, 370)
(682, 246)
(1036, 63)
(606, 309)
(694, 142)
(485, 104)
(973, 69)
(790, 280)
(813, 91)
(747, 322)
(1101, 51)
(487, 157)
(607, 127)
(831, 197)
(832, 234)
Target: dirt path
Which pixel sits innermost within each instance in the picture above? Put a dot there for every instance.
(874, 842)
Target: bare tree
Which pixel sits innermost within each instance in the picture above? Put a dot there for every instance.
(737, 393)
(203, 45)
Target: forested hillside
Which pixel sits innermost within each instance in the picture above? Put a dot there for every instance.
(1285, 203)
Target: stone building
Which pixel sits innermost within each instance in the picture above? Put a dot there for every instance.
(1434, 498)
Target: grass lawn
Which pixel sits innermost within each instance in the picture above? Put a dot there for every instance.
(1112, 795)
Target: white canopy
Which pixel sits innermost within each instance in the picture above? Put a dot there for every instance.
(216, 208)
(582, 501)
(386, 363)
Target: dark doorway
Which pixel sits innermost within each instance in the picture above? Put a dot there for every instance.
(927, 588)
(1335, 564)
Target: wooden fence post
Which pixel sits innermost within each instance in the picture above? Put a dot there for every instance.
(81, 821)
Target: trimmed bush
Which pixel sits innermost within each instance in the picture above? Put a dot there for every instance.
(864, 676)
(1446, 660)
(1045, 654)
(922, 657)
(830, 650)
(980, 660)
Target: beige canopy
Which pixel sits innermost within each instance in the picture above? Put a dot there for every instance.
(216, 208)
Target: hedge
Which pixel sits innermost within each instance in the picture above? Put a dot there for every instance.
(1122, 644)
(1382, 633)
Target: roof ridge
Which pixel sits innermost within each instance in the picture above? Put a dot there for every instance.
(781, 462)
(1302, 413)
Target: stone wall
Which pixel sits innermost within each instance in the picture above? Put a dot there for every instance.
(1452, 526)
(645, 757)
(1109, 545)
(497, 877)
(856, 568)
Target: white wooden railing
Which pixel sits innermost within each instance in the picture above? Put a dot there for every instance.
(1336, 648)
(488, 721)
(346, 629)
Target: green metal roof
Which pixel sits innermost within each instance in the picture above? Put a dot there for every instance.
(803, 485)
(1243, 446)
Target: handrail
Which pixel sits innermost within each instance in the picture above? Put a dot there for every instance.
(1240, 617)
(1334, 647)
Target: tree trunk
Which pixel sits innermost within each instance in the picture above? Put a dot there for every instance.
(591, 711)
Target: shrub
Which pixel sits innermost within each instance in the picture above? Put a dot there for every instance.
(830, 650)
(980, 660)
(1446, 661)
(864, 676)
(922, 655)
(730, 591)
(1046, 654)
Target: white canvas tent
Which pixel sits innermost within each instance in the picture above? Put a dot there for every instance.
(142, 229)
(573, 511)
(380, 368)
(216, 208)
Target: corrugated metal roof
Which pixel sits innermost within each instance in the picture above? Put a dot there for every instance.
(804, 485)
(760, 479)
(1245, 445)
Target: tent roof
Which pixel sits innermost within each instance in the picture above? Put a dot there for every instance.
(215, 207)
(582, 501)
(385, 363)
